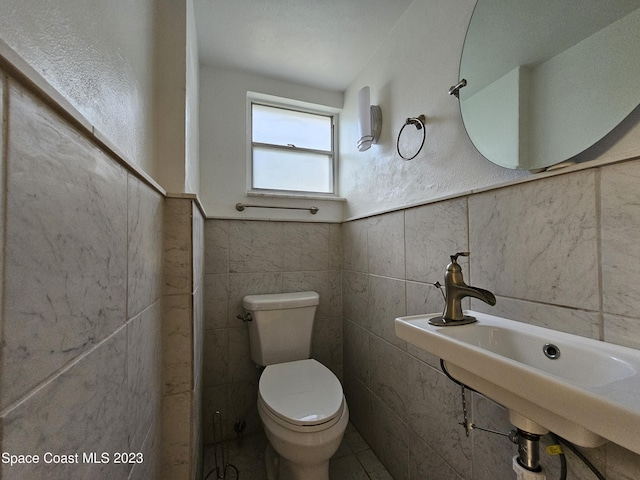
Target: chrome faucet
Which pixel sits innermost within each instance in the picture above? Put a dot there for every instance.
(455, 290)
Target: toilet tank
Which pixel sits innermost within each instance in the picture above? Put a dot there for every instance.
(281, 326)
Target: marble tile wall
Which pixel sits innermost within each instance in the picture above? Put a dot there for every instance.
(253, 257)
(197, 432)
(81, 340)
(183, 339)
(561, 252)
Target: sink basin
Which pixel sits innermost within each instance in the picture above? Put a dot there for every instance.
(582, 389)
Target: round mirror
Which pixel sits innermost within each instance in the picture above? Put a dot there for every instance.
(547, 79)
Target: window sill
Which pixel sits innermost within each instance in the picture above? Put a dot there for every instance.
(296, 196)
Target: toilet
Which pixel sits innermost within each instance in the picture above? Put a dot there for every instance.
(300, 401)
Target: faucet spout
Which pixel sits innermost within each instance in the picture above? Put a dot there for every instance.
(453, 308)
(455, 290)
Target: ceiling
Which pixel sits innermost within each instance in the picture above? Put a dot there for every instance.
(319, 43)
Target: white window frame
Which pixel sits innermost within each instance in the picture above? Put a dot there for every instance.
(290, 104)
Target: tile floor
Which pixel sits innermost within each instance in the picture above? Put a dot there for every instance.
(354, 460)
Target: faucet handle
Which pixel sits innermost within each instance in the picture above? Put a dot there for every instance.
(459, 254)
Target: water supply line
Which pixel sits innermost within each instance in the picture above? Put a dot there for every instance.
(527, 463)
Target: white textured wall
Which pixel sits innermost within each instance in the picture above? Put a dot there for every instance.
(130, 69)
(176, 98)
(98, 56)
(192, 157)
(223, 145)
(170, 95)
(410, 75)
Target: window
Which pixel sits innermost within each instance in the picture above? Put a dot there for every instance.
(291, 150)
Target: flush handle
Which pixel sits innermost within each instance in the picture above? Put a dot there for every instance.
(245, 318)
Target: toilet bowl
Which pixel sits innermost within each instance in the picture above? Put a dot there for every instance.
(304, 414)
(300, 402)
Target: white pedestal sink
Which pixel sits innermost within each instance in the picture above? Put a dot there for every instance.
(589, 393)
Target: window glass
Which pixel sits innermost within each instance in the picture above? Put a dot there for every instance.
(291, 150)
(280, 126)
(284, 170)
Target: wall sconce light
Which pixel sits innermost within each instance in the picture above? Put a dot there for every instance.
(369, 120)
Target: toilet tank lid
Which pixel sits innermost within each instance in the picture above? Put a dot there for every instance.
(277, 301)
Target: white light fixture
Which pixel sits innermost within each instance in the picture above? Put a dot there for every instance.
(369, 120)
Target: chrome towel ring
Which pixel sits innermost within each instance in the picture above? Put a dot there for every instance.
(419, 123)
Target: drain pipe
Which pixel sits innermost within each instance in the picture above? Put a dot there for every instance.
(527, 463)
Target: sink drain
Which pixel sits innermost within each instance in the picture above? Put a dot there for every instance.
(551, 351)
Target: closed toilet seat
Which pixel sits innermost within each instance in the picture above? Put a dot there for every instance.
(303, 395)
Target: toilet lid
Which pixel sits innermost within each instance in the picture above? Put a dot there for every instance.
(303, 392)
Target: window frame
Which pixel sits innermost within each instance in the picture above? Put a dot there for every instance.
(295, 106)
